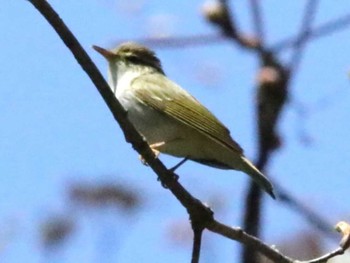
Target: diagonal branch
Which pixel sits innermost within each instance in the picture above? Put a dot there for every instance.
(323, 30)
(326, 257)
(311, 216)
(167, 177)
(252, 242)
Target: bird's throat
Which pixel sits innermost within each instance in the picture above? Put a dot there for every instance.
(122, 74)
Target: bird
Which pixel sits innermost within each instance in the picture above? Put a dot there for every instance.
(170, 119)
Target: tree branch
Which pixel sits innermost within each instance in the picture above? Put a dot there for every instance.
(197, 240)
(326, 257)
(258, 21)
(219, 14)
(252, 242)
(201, 216)
(309, 15)
(272, 91)
(207, 39)
(311, 216)
(179, 42)
(323, 30)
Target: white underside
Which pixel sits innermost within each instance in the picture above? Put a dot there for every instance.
(179, 139)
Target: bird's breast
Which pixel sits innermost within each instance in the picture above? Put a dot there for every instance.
(153, 125)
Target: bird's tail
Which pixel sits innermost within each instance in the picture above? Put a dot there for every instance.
(258, 177)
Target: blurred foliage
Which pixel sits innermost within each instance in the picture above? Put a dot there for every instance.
(55, 230)
(103, 194)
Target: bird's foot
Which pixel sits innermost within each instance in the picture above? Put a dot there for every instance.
(154, 150)
(174, 177)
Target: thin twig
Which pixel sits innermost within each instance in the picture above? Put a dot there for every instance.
(253, 243)
(197, 240)
(179, 42)
(326, 257)
(250, 241)
(221, 16)
(258, 21)
(323, 30)
(312, 217)
(207, 39)
(308, 18)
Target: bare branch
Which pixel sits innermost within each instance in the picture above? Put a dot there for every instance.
(270, 252)
(197, 240)
(250, 241)
(179, 42)
(258, 20)
(326, 257)
(202, 40)
(271, 96)
(324, 30)
(311, 216)
(309, 15)
(219, 14)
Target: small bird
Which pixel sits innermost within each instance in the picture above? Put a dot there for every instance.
(171, 120)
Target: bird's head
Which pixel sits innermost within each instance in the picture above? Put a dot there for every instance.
(131, 54)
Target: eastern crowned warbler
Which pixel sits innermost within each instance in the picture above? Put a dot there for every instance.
(171, 120)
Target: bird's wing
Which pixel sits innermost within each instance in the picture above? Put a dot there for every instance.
(172, 100)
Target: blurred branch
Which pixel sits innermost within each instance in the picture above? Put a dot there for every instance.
(308, 18)
(218, 14)
(273, 83)
(314, 218)
(179, 42)
(189, 41)
(200, 215)
(272, 94)
(323, 30)
(258, 22)
(271, 97)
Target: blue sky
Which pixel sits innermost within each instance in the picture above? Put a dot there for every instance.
(56, 129)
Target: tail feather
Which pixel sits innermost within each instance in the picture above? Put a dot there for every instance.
(258, 177)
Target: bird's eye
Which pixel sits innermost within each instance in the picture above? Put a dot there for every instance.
(133, 59)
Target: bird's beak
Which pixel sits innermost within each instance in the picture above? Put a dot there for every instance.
(104, 52)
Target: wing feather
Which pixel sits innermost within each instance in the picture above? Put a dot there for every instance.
(177, 103)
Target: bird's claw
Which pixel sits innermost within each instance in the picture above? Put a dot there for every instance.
(174, 177)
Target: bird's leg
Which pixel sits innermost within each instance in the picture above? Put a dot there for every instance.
(156, 152)
(173, 169)
(175, 176)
